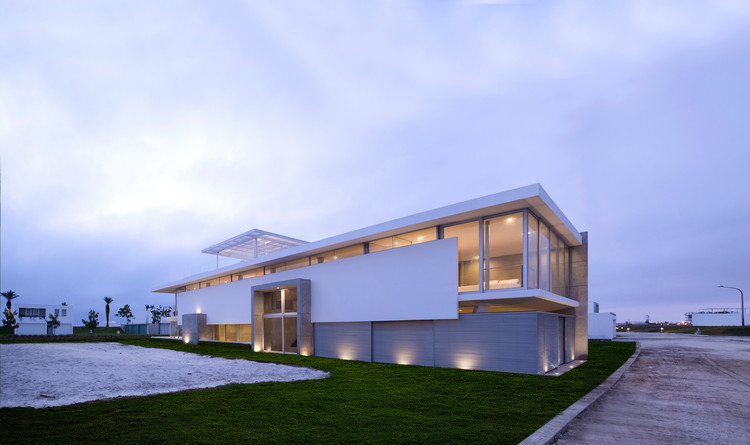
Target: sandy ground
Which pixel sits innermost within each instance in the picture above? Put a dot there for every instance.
(54, 374)
(682, 389)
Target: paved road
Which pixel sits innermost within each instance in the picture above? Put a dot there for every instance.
(682, 389)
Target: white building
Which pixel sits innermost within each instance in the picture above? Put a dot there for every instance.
(718, 317)
(494, 283)
(32, 319)
(602, 326)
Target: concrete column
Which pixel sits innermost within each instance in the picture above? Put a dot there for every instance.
(579, 291)
(193, 328)
(305, 341)
(257, 327)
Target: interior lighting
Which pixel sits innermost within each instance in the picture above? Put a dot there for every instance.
(509, 220)
(335, 257)
(419, 238)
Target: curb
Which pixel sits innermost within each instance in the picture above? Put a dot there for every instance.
(555, 427)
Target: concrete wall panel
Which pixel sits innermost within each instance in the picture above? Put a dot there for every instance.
(347, 341)
(403, 342)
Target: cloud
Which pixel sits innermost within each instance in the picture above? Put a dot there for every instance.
(154, 131)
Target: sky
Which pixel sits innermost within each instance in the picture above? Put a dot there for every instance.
(134, 134)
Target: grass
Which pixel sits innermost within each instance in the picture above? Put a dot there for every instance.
(360, 402)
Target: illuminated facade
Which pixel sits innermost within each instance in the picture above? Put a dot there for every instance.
(495, 283)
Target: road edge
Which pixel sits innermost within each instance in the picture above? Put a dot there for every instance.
(559, 424)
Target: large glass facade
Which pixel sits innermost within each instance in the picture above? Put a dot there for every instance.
(503, 251)
(468, 254)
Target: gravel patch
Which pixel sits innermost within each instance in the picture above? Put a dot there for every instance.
(41, 375)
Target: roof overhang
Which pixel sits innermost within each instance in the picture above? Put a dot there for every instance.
(520, 300)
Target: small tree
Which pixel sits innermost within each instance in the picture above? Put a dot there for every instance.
(92, 322)
(158, 312)
(9, 321)
(125, 313)
(53, 323)
(10, 295)
(108, 300)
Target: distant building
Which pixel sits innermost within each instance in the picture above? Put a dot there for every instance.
(32, 319)
(717, 317)
(602, 325)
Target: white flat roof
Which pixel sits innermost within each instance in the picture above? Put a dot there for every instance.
(532, 196)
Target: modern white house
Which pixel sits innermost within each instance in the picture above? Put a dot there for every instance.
(494, 283)
(718, 316)
(32, 319)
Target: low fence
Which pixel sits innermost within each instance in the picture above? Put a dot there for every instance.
(147, 329)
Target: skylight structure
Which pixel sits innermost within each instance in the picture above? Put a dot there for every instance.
(252, 244)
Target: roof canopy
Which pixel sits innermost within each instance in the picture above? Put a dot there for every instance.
(252, 244)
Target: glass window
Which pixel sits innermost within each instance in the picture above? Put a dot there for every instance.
(554, 263)
(220, 280)
(64, 312)
(543, 256)
(381, 244)
(350, 251)
(468, 254)
(290, 299)
(296, 264)
(333, 255)
(272, 334)
(272, 302)
(566, 270)
(504, 252)
(57, 312)
(193, 286)
(404, 239)
(205, 284)
(231, 332)
(245, 274)
(290, 334)
(246, 333)
(533, 243)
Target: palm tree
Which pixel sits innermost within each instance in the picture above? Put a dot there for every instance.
(108, 300)
(10, 295)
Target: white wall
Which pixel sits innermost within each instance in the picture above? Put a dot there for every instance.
(418, 282)
(602, 326)
(30, 326)
(732, 319)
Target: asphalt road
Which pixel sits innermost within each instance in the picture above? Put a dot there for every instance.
(682, 389)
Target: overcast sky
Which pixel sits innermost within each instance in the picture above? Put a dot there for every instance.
(134, 134)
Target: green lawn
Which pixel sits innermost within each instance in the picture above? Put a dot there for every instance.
(368, 402)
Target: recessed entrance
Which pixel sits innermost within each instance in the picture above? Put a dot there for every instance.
(280, 320)
(281, 317)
